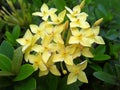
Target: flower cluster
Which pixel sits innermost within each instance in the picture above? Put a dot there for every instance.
(57, 40)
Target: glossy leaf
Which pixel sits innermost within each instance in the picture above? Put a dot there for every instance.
(7, 49)
(101, 57)
(16, 32)
(17, 60)
(27, 84)
(25, 71)
(106, 77)
(5, 63)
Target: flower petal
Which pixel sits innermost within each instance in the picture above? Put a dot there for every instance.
(82, 77)
(71, 78)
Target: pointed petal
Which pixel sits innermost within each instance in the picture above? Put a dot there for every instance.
(71, 78)
(86, 52)
(43, 73)
(68, 60)
(74, 40)
(45, 56)
(54, 70)
(58, 39)
(34, 28)
(82, 65)
(37, 48)
(37, 14)
(82, 77)
(44, 7)
(57, 58)
(68, 9)
(28, 34)
(99, 40)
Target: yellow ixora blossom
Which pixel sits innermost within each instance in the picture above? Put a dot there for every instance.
(55, 33)
(40, 30)
(81, 37)
(81, 50)
(37, 62)
(64, 54)
(46, 48)
(57, 19)
(28, 41)
(76, 72)
(45, 12)
(50, 67)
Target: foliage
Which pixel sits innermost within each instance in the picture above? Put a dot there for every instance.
(102, 71)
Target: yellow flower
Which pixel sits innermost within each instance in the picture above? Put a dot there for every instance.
(40, 30)
(58, 19)
(76, 72)
(85, 51)
(81, 37)
(46, 48)
(28, 41)
(45, 12)
(55, 33)
(97, 39)
(50, 67)
(80, 21)
(37, 62)
(76, 10)
(64, 54)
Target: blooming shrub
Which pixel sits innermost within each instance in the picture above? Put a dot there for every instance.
(60, 39)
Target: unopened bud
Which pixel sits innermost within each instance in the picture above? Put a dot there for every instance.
(98, 22)
(64, 72)
(82, 4)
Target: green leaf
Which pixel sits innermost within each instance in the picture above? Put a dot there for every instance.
(5, 63)
(25, 71)
(17, 60)
(60, 5)
(101, 57)
(28, 84)
(112, 34)
(9, 38)
(117, 66)
(16, 32)
(108, 78)
(7, 49)
(109, 68)
(6, 73)
(100, 49)
(96, 67)
(114, 49)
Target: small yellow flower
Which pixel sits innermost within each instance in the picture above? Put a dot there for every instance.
(81, 37)
(58, 19)
(97, 39)
(55, 33)
(76, 72)
(37, 62)
(64, 54)
(46, 48)
(85, 51)
(50, 67)
(79, 21)
(28, 41)
(45, 12)
(76, 10)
